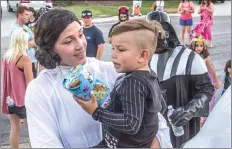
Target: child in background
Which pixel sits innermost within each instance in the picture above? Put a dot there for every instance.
(136, 7)
(159, 5)
(199, 46)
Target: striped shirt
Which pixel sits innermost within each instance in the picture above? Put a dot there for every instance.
(131, 119)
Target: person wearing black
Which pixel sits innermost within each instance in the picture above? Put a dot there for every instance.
(31, 22)
(123, 15)
(131, 119)
(183, 74)
(93, 35)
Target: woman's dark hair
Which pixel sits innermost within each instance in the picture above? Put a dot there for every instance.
(228, 65)
(203, 3)
(183, 1)
(48, 28)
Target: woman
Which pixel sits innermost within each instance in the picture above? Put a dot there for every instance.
(206, 11)
(54, 118)
(17, 73)
(186, 8)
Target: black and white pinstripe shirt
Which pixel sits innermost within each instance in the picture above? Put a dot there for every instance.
(131, 119)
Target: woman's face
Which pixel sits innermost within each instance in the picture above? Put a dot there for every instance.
(199, 47)
(71, 45)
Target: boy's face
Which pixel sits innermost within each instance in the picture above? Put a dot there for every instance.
(126, 56)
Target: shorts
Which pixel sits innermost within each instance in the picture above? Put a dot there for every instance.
(19, 111)
(188, 22)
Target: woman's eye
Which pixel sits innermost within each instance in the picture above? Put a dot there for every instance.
(68, 41)
(121, 50)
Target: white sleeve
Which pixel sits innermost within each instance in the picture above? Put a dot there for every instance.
(43, 132)
(163, 134)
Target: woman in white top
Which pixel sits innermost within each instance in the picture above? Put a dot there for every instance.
(55, 120)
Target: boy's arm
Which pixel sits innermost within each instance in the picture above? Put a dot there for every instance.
(132, 95)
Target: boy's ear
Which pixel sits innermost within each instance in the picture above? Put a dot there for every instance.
(144, 54)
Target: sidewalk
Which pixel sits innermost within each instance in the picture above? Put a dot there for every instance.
(23, 145)
(223, 9)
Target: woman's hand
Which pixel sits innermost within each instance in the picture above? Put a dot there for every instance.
(89, 106)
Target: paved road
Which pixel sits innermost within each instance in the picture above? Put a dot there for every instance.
(219, 54)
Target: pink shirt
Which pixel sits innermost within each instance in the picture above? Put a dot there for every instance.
(13, 85)
(187, 15)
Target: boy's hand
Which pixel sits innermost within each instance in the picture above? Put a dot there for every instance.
(88, 106)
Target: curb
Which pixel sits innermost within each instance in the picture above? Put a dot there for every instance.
(115, 18)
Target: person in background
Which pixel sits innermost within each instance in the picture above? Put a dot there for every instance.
(199, 46)
(226, 81)
(227, 77)
(206, 11)
(32, 20)
(16, 75)
(136, 8)
(93, 35)
(123, 15)
(183, 75)
(23, 15)
(159, 5)
(186, 8)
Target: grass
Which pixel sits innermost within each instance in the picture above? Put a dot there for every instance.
(108, 10)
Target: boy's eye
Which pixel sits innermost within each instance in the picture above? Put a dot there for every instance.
(121, 50)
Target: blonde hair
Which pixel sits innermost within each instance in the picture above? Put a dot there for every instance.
(142, 27)
(18, 43)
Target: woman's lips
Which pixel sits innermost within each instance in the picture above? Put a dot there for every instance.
(79, 54)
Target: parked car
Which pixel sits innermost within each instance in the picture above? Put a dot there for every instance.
(13, 4)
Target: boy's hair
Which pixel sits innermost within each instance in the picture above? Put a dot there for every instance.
(141, 25)
(205, 52)
(21, 10)
(228, 65)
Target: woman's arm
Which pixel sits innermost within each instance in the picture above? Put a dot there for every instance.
(179, 9)
(42, 127)
(211, 10)
(193, 8)
(212, 72)
(27, 69)
(200, 9)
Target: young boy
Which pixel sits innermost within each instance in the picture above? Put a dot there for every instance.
(131, 118)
